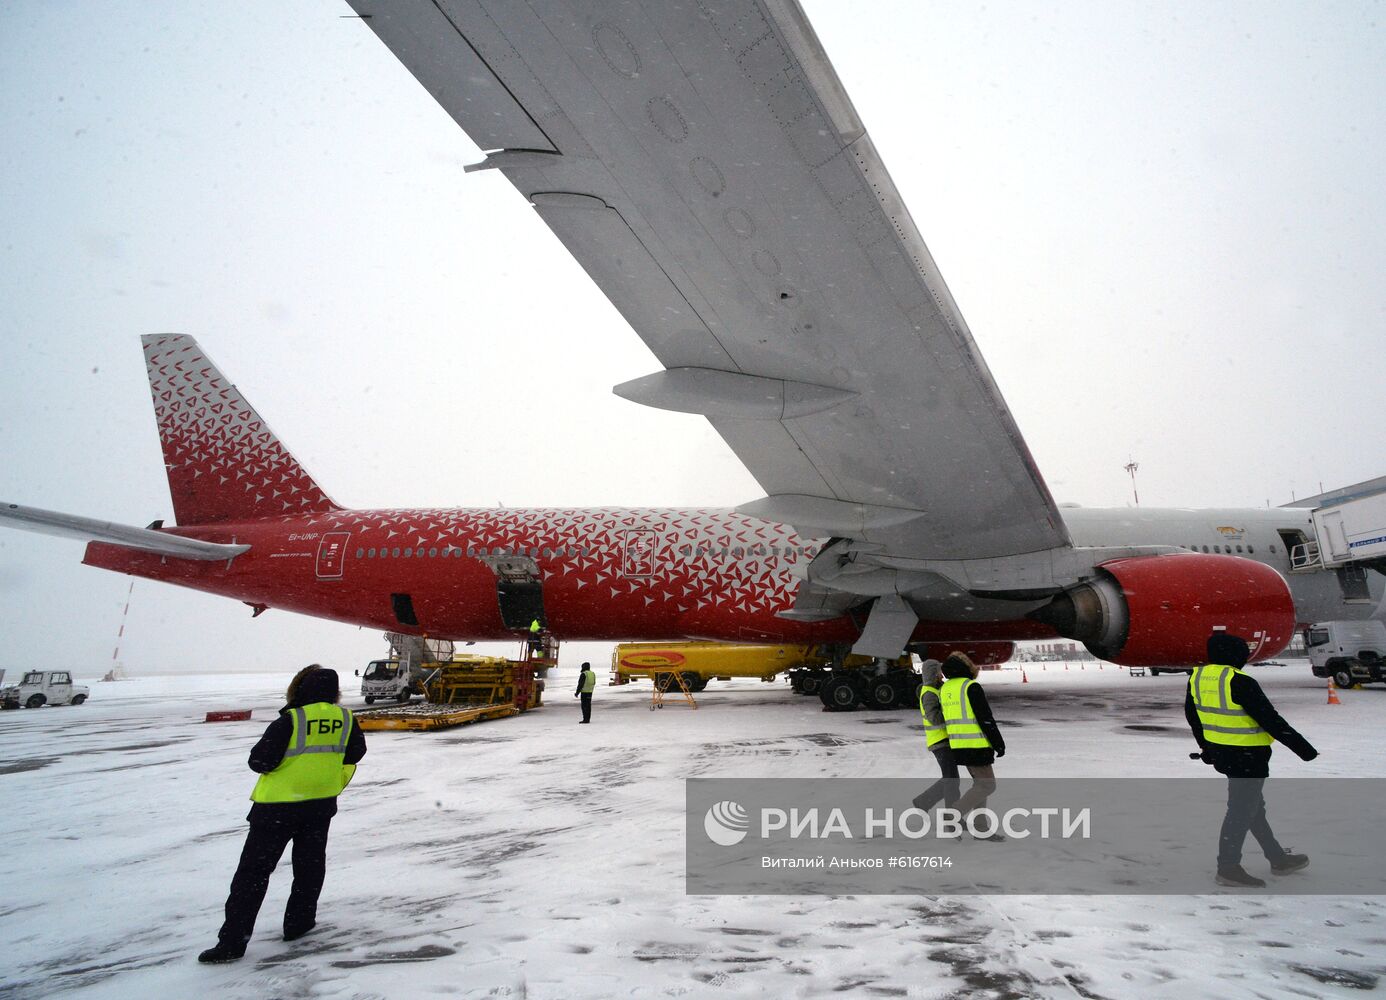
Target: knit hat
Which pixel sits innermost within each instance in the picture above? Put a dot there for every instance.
(1228, 649)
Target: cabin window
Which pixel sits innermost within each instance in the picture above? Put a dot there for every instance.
(1239, 548)
(433, 553)
(394, 554)
(1251, 550)
(360, 553)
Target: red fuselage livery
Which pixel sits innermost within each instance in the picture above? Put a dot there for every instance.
(604, 574)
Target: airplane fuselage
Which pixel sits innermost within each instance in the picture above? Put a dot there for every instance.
(646, 573)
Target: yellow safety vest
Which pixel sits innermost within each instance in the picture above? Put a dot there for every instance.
(314, 763)
(1224, 721)
(963, 731)
(932, 734)
(589, 681)
(534, 626)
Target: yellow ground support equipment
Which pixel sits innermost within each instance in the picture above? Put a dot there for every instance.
(466, 689)
(426, 716)
(664, 682)
(699, 662)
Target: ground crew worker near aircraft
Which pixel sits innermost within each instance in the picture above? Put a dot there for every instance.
(973, 737)
(587, 683)
(936, 739)
(305, 759)
(1235, 725)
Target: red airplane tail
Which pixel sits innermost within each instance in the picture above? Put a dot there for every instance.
(223, 461)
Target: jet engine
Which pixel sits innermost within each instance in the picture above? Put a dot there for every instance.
(1160, 610)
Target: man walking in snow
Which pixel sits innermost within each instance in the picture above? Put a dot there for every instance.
(1235, 725)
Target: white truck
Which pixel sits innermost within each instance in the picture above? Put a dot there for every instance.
(1349, 652)
(391, 680)
(44, 687)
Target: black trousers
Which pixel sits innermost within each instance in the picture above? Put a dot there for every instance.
(1246, 811)
(264, 846)
(587, 706)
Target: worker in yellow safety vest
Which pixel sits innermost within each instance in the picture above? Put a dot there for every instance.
(587, 683)
(305, 758)
(974, 739)
(945, 789)
(1235, 725)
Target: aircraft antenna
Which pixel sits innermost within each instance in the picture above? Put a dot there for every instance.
(1131, 467)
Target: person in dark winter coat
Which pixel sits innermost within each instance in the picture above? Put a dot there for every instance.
(1235, 723)
(945, 789)
(973, 736)
(305, 758)
(587, 683)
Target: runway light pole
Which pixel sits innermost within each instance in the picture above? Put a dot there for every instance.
(1131, 467)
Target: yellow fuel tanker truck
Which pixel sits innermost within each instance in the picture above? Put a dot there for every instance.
(841, 680)
(809, 667)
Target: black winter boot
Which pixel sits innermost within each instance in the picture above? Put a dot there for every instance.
(1236, 875)
(1288, 862)
(219, 954)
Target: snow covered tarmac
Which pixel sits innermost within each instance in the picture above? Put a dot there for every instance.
(534, 858)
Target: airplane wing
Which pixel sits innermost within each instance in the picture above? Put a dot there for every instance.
(162, 543)
(705, 166)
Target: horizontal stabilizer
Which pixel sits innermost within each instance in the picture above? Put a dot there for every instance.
(162, 543)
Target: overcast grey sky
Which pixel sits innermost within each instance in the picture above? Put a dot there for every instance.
(1163, 222)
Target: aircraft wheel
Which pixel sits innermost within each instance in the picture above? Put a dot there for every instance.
(880, 694)
(839, 694)
(78, 699)
(906, 688)
(35, 701)
(811, 683)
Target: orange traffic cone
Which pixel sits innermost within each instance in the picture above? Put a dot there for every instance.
(1023, 678)
(1332, 693)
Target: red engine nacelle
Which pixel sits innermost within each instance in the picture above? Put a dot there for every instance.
(984, 653)
(1158, 610)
